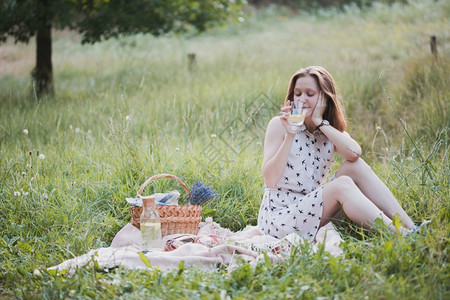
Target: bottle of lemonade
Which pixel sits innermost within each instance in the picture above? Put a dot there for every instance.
(150, 225)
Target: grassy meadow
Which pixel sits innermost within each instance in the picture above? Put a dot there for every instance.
(127, 109)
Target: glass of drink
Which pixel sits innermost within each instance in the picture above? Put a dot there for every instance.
(297, 116)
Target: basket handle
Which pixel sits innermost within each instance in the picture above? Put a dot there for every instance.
(141, 189)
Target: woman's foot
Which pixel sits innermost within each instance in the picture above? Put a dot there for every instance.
(417, 228)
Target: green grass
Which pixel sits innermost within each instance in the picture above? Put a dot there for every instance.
(125, 110)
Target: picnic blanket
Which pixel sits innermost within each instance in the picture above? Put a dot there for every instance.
(213, 247)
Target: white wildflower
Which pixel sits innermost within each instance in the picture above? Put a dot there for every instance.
(25, 131)
(213, 135)
(177, 149)
(17, 194)
(23, 174)
(45, 195)
(25, 193)
(70, 127)
(41, 156)
(77, 130)
(128, 118)
(241, 19)
(409, 158)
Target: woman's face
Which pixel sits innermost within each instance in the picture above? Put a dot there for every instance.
(306, 92)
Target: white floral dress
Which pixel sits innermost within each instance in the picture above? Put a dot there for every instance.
(295, 204)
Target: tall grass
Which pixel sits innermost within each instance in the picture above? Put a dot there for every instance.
(125, 110)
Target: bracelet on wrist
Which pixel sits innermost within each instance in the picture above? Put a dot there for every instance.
(324, 122)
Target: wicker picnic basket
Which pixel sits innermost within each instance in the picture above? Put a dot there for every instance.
(174, 218)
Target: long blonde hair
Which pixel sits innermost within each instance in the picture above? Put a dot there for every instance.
(334, 112)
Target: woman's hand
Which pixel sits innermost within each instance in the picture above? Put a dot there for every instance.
(319, 109)
(284, 113)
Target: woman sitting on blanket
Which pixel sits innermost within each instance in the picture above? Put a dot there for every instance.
(297, 163)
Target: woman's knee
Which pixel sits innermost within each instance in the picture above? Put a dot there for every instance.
(352, 168)
(342, 185)
(336, 192)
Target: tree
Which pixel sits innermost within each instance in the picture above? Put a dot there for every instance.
(98, 20)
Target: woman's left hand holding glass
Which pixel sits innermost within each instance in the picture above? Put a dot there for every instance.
(284, 113)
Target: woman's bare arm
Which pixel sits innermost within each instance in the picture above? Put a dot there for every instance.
(343, 143)
(277, 146)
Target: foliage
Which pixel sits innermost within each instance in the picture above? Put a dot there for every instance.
(323, 4)
(129, 109)
(97, 20)
(103, 19)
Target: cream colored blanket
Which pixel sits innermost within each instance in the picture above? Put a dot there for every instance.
(231, 249)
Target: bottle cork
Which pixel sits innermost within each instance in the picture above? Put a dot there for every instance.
(149, 201)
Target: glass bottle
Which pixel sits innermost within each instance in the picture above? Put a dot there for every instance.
(150, 225)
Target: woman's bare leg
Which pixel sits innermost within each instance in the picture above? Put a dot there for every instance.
(343, 192)
(374, 189)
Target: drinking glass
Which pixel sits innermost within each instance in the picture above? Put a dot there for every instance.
(297, 116)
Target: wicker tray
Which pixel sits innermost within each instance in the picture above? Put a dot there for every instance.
(174, 218)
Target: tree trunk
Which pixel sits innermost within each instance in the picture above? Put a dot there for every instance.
(43, 72)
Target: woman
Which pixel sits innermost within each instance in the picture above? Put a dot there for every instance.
(297, 163)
